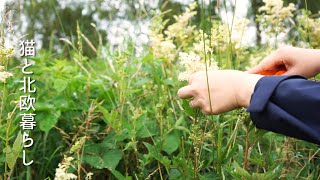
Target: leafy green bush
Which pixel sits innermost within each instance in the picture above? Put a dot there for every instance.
(117, 116)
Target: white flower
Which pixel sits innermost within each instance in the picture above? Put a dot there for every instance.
(193, 63)
(180, 29)
(4, 75)
(165, 43)
(89, 176)
(163, 48)
(274, 15)
(238, 30)
(62, 170)
(309, 27)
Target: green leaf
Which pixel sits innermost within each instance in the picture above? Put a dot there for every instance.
(118, 175)
(17, 144)
(2, 159)
(60, 85)
(47, 119)
(181, 164)
(100, 157)
(175, 174)
(179, 121)
(61, 103)
(10, 157)
(109, 117)
(209, 176)
(154, 152)
(146, 128)
(187, 109)
(240, 171)
(13, 154)
(44, 106)
(142, 81)
(181, 128)
(171, 143)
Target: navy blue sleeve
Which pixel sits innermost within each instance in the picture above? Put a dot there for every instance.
(288, 105)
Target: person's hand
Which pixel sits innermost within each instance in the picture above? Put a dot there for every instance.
(229, 89)
(295, 61)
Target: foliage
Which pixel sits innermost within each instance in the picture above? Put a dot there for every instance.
(113, 115)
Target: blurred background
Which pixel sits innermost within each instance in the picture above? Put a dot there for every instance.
(107, 74)
(118, 21)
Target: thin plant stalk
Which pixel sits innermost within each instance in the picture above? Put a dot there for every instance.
(205, 61)
(308, 31)
(230, 28)
(246, 149)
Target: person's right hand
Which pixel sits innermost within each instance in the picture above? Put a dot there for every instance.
(295, 61)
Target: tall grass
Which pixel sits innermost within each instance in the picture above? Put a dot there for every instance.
(125, 112)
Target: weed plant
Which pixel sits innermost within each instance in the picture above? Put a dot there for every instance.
(117, 116)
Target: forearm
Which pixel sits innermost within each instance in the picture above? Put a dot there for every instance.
(313, 55)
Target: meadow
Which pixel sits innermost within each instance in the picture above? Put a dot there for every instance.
(103, 113)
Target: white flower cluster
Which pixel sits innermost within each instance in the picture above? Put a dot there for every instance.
(205, 44)
(5, 54)
(274, 14)
(180, 30)
(238, 31)
(219, 37)
(4, 74)
(275, 7)
(163, 42)
(309, 28)
(62, 170)
(202, 43)
(162, 48)
(193, 63)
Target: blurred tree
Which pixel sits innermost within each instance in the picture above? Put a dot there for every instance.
(311, 5)
(48, 19)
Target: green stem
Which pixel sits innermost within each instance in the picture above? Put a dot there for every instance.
(307, 19)
(246, 148)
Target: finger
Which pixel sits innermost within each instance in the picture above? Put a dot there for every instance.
(195, 103)
(185, 92)
(206, 112)
(269, 63)
(262, 66)
(255, 70)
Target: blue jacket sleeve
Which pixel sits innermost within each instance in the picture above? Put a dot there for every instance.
(288, 105)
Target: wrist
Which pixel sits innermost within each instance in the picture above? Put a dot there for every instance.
(246, 88)
(316, 60)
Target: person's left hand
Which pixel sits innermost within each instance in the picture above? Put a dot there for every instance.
(229, 89)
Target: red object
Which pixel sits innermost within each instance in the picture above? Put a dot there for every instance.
(273, 72)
